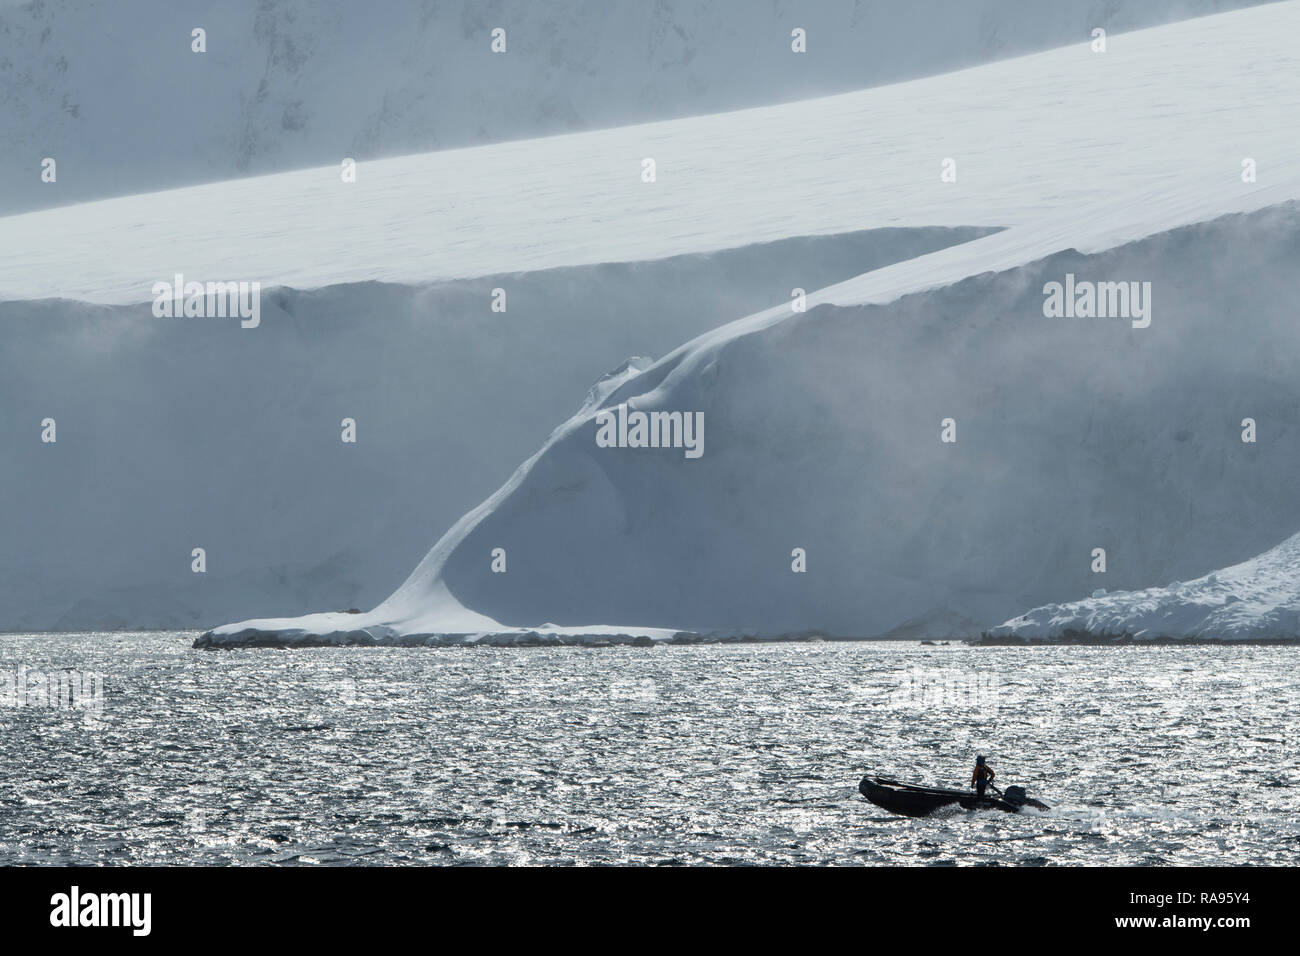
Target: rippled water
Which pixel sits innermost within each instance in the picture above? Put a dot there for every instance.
(714, 754)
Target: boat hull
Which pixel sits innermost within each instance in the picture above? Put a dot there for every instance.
(914, 801)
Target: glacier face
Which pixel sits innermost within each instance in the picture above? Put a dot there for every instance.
(183, 433)
(285, 85)
(824, 434)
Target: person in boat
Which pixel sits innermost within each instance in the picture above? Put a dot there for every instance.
(982, 776)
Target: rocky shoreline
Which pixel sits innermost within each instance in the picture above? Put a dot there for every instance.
(1071, 637)
(360, 637)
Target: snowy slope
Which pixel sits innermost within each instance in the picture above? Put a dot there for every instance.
(114, 93)
(1258, 599)
(1192, 99)
(176, 435)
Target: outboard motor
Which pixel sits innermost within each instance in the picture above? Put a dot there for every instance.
(1015, 796)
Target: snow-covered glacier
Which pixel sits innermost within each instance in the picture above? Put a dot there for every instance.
(1191, 98)
(822, 433)
(825, 499)
(286, 84)
(818, 425)
(1257, 600)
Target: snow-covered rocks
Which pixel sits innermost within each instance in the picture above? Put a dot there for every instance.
(1257, 600)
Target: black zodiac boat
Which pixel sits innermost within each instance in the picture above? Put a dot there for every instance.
(921, 801)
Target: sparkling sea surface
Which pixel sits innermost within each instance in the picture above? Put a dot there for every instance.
(721, 754)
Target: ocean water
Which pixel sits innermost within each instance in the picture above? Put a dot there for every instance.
(156, 753)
